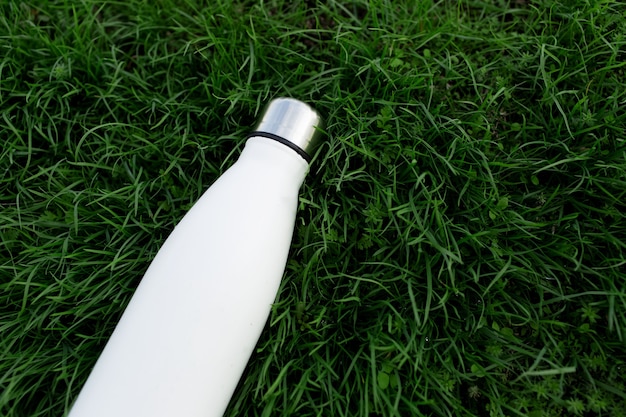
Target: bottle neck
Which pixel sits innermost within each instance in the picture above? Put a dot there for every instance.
(282, 141)
(270, 156)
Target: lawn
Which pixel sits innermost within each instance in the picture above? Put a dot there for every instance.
(460, 246)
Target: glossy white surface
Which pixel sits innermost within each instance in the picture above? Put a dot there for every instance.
(190, 328)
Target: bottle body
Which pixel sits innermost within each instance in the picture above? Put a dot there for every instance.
(191, 326)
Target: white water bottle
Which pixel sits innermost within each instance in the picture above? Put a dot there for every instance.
(190, 328)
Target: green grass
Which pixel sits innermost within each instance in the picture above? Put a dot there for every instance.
(460, 247)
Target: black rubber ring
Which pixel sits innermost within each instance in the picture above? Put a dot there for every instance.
(282, 140)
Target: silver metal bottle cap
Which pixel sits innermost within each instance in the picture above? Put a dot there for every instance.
(292, 123)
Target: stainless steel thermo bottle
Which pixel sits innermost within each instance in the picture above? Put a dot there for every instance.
(190, 328)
